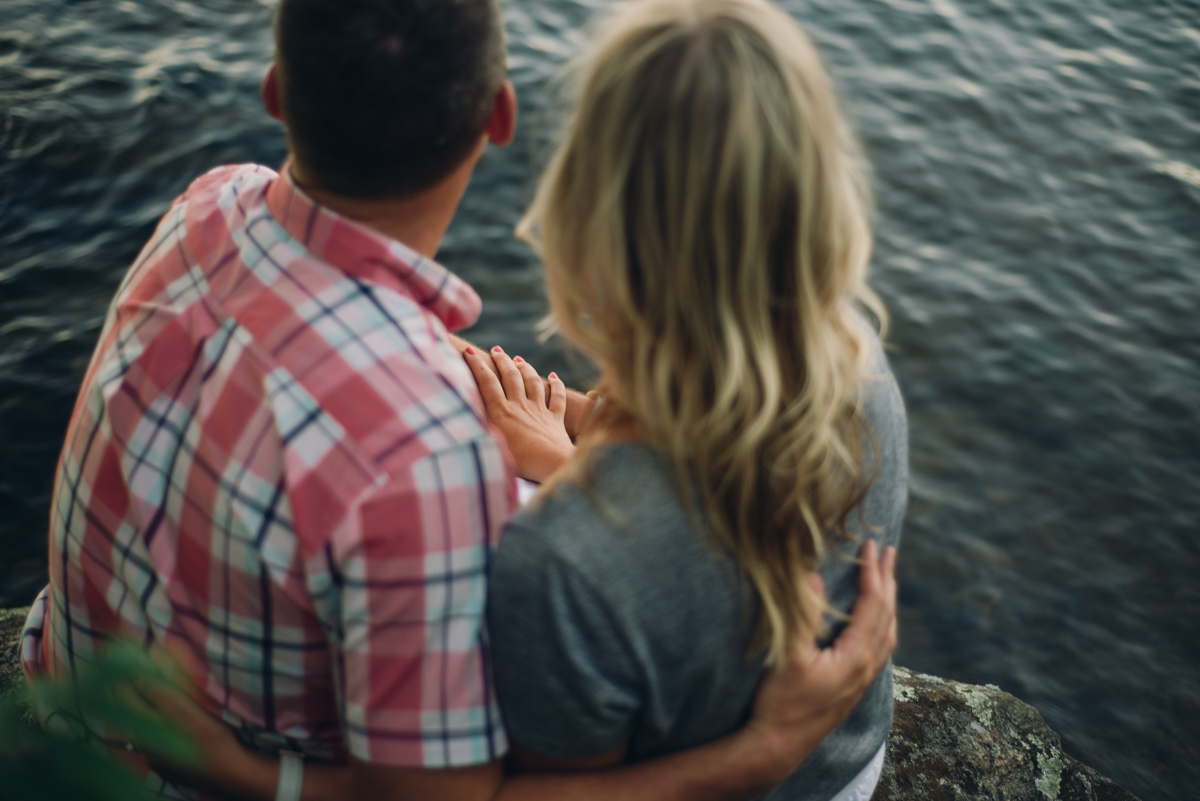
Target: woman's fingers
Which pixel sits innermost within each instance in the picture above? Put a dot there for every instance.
(462, 346)
(510, 376)
(535, 390)
(489, 385)
(558, 396)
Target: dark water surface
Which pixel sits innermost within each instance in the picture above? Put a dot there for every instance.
(1038, 172)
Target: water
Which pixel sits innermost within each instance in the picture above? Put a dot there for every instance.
(1038, 173)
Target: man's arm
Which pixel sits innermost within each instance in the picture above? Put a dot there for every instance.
(731, 769)
(799, 702)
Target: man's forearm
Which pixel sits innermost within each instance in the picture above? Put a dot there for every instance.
(734, 768)
(579, 409)
(738, 767)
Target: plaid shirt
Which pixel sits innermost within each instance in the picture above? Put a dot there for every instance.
(279, 466)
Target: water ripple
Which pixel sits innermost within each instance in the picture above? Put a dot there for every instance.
(1037, 244)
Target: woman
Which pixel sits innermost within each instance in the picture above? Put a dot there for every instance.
(704, 230)
(705, 235)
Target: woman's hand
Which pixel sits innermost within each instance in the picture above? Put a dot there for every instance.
(814, 690)
(517, 404)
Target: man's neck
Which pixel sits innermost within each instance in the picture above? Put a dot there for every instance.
(419, 221)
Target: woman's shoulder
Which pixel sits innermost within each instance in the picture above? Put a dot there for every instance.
(624, 519)
(622, 484)
(881, 403)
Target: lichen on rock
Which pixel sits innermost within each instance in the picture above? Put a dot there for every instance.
(1050, 780)
(961, 742)
(978, 699)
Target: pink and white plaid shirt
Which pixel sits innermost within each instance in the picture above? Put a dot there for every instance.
(279, 466)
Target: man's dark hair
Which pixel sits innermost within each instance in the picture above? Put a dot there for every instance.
(384, 98)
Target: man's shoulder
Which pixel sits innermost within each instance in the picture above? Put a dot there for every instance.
(378, 364)
(372, 359)
(215, 180)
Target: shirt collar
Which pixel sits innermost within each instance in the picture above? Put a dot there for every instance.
(363, 253)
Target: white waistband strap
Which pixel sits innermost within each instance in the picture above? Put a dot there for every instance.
(862, 786)
(291, 776)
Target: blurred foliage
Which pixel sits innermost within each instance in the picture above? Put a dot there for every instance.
(73, 763)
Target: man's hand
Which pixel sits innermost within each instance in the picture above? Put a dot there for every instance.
(800, 701)
(517, 405)
(222, 766)
(808, 695)
(220, 763)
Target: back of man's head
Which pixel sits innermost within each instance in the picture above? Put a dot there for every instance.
(384, 98)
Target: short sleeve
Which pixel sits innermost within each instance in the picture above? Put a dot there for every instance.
(415, 682)
(568, 681)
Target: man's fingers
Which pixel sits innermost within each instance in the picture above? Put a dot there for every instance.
(888, 567)
(868, 581)
(558, 396)
(865, 637)
(886, 573)
(877, 597)
(489, 385)
(535, 390)
(814, 602)
(132, 696)
(171, 702)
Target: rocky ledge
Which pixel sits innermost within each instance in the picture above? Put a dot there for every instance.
(961, 742)
(11, 680)
(950, 741)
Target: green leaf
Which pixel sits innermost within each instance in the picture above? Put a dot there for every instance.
(37, 766)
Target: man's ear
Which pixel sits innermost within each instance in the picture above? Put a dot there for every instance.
(502, 125)
(270, 94)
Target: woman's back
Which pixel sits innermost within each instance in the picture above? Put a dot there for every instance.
(605, 634)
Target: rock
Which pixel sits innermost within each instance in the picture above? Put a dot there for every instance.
(961, 742)
(949, 742)
(11, 621)
(12, 684)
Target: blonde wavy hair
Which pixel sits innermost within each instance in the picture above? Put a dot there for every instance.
(704, 226)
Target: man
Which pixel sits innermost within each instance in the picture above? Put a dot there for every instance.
(280, 468)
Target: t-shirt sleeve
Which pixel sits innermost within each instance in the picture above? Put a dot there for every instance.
(414, 682)
(566, 673)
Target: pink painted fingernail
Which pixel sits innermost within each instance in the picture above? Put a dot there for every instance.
(497, 349)
(554, 376)
(518, 360)
(469, 351)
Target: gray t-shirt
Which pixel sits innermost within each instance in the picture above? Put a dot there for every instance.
(603, 633)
